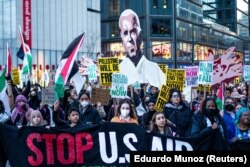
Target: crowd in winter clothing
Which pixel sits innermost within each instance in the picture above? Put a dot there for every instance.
(179, 118)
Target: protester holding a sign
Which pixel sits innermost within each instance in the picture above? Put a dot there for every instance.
(208, 119)
(178, 113)
(125, 113)
(159, 124)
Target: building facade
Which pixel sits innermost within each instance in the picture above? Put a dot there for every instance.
(170, 27)
(48, 27)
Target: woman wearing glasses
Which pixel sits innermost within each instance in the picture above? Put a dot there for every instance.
(179, 114)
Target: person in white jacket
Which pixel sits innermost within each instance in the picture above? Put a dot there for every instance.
(135, 65)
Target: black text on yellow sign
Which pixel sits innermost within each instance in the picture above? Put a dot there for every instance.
(107, 66)
(206, 87)
(162, 98)
(163, 67)
(15, 76)
(175, 79)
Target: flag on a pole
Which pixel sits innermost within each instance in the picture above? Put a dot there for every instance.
(219, 99)
(3, 95)
(20, 53)
(9, 62)
(67, 66)
(27, 60)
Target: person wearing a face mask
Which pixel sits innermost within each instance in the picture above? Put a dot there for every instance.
(229, 116)
(88, 114)
(34, 101)
(125, 113)
(207, 120)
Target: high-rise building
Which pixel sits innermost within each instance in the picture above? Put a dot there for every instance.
(49, 26)
(175, 32)
(233, 14)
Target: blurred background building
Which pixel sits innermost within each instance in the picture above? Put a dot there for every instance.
(175, 32)
(185, 28)
(49, 26)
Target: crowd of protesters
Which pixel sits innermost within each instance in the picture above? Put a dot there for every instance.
(179, 118)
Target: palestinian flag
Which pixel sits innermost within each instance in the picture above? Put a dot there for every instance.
(219, 99)
(3, 95)
(9, 63)
(67, 66)
(20, 53)
(27, 60)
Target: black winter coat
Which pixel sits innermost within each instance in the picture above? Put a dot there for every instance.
(181, 116)
(90, 116)
(200, 128)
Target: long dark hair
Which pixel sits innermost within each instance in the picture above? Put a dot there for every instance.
(154, 128)
(204, 104)
(172, 91)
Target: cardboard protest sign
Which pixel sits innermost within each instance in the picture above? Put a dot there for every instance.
(192, 76)
(119, 86)
(15, 76)
(48, 96)
(164, 68)
(205, 72)
(52, 75)
(162, 98)
(107, 66)
(100, 95)
(246, 73)
(92, 75)
(176, 78)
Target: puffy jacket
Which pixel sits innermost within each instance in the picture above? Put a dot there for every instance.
(90, 116)
(181, 116)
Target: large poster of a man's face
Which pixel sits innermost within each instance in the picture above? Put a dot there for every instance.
(135, 66)
(130, 30)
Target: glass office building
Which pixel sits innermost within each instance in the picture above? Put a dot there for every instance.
(189, 41)
(49, 26)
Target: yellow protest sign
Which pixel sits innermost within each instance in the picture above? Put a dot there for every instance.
(107, 66)
(163, 67)
(15, 76)
(162, 98)
(176, 79)
(236, 80)
(206, 87)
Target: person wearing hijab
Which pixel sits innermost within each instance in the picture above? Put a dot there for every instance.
(21, 112)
